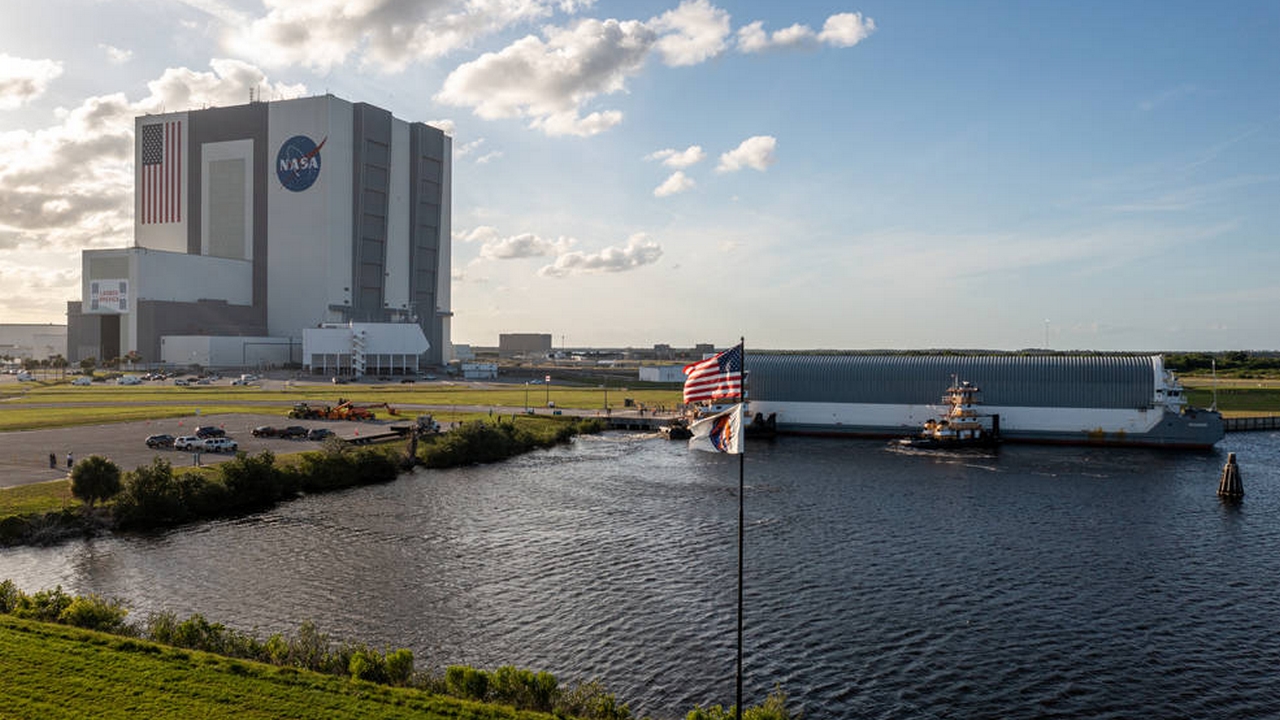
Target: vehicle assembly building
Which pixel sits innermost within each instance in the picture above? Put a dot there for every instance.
(256, 223)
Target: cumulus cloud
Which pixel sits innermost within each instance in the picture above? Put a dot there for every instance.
(493, 246)
(754, 152)
(449, 127)
(488, 157)
(386, 35)
(69, 186)
(680, 159)
(846, 29)
(550, 80)
(843, 30)
(692, 33)
(678, 182)
(22, 80)
(639, 251)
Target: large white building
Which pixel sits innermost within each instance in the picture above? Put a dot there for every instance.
(262, 220)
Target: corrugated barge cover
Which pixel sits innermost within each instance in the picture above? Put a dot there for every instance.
(1075, 381)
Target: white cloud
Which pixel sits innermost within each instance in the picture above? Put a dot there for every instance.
(550, 81)
(680, 159)
(449, 127)
(493, 246)
(639, 251)
(678, 182)
(115, 55)
(754, 152)
(846, 29)
(488, 157)
(843, 30)
(23, 80)
(467, 148)
(692, 33)
(386, 35)
(69, 186)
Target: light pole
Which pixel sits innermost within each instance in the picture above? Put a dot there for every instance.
(526, 397)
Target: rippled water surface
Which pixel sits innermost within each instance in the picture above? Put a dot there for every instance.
(1034, 582)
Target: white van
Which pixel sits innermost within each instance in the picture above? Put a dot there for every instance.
(129, 380)
(82, 380)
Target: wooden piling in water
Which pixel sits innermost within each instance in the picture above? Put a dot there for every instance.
(1231, 486)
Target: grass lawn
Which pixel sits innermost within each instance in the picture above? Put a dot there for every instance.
(54, 671)
(37, 498)
(64, 405)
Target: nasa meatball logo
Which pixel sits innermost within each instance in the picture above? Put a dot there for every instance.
(298, 162)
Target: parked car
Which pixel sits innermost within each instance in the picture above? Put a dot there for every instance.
(219, 444)
(339, 380)
(319, 433)
(182, 381)
(129, 380)
(188, 442)
(265, 431)
(82, 381)
(294, 431)
(160, 441)
(210, 431)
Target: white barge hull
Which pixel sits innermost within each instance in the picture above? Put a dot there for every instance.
(1155, 426)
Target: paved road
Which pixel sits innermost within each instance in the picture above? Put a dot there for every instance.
(24, 454)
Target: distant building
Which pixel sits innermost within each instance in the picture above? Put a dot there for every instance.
(524, 345)
(34, 341)
(662, 373)
(262, 220)
(479, 371)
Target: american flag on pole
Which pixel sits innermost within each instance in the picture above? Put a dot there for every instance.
(161, 177)
(715, 378)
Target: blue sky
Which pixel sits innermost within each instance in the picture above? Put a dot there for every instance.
(806, 174)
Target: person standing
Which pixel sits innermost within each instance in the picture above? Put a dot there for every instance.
(53, 461)
(70, 461)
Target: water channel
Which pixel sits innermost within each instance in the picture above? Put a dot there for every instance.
(1024, 583)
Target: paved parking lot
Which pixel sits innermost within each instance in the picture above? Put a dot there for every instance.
(24, 455)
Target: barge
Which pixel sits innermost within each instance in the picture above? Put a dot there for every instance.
(1092, 399)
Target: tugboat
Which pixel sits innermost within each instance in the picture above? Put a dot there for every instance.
(677, 429)
(960, 424)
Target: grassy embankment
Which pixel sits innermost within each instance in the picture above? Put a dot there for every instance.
(55, 671)
(1237, 397)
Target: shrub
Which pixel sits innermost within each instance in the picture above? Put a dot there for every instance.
(590, 700)
(95, 613)
(252, 481)
(466, 682)
(95, 478)
(523, 689)
(45, 606)
(774, 707)
(151, 497)
(400, 667)
(9, 595)
(394, 668)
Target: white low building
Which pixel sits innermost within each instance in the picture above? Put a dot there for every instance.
(662, 373)
(360, 349)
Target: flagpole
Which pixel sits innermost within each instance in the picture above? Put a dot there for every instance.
(742, 392)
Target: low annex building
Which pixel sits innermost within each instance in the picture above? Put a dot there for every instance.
(258, 222)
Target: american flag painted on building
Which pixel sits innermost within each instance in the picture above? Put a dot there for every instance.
(161, 177)
(716, 377)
